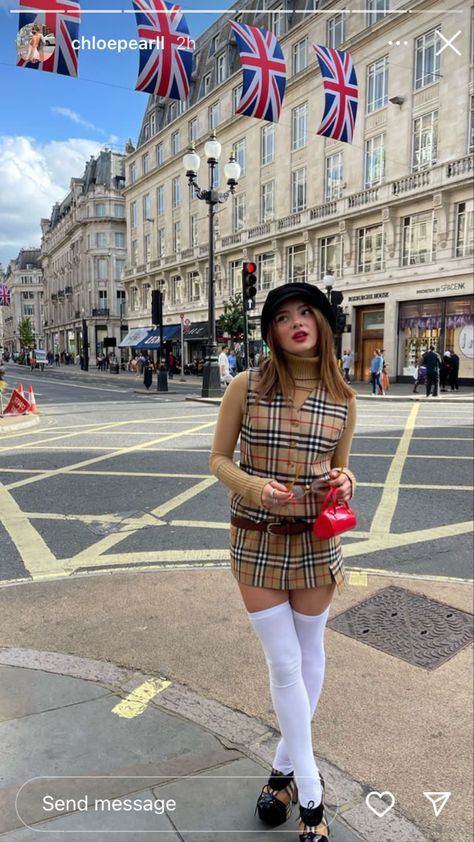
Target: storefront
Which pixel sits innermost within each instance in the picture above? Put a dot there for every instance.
(445, 323)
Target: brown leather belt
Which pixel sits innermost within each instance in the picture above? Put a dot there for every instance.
(282, 527)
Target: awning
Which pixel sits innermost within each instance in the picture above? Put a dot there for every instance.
(198, 330)
(151, 341)
(133, 337)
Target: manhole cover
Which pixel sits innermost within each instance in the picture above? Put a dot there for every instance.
(408, 625)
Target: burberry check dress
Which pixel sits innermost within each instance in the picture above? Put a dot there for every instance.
(276, 441)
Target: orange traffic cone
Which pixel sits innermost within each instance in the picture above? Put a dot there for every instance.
(21, 390)
(32, 399)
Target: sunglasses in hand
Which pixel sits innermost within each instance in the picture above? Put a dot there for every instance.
(300, 491)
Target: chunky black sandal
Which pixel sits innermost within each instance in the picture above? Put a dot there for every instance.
(313, 823)
(274, 804)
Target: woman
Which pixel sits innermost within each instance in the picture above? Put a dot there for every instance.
(36, 39)
(295, 416)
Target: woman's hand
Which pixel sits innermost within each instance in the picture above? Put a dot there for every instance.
(341, 482)
(275, 494)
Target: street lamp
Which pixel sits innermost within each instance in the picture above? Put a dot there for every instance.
(211, 380)
(328, 282)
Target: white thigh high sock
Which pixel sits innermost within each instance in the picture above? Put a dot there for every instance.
(276, 631)
(310, 631)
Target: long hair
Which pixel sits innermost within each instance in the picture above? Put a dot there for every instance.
(275, 374)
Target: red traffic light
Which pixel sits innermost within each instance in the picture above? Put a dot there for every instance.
(250, 267)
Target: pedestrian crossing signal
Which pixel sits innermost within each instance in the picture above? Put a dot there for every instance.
(249, 284)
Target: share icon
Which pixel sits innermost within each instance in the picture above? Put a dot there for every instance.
(438, 800)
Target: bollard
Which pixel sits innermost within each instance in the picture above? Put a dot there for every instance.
(162, 380)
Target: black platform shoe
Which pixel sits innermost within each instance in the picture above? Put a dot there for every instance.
(313, 823)
(274, 804)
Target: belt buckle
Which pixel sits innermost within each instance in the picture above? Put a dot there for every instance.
(269, 527)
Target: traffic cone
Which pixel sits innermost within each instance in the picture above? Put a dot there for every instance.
(20, 390)
(32, 399)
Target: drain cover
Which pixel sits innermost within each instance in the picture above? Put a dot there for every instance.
(408, 625)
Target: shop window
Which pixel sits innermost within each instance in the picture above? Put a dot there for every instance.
(420, 325)
(459, 332)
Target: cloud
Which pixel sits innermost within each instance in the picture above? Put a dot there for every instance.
(33, 177)
(76, 118)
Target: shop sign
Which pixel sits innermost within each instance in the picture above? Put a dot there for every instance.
(441, 288)
(369, 296)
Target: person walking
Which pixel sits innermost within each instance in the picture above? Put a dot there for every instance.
(385, 379)
(454, 372)
(347, 363)
(376, 366)
(224, 369)
(432, 362)
(295, 415)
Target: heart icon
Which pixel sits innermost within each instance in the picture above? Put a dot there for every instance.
(380, 795)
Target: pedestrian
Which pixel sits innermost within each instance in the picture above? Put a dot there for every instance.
(147, 372)
(56, 359)
(347, 363)
(295, 416)
(444, 371)
(232, 363)
(432, 361)
(171, 365)
(385, 379)
(224, 369)
(376, 366)
(454, 372)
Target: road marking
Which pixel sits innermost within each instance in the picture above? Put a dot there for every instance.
(137, 701)
(33, 551)
(385, 511)
(358, 578)
(379, 542)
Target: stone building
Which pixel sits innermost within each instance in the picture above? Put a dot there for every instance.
(83, 256)
(24, 278)
(387, 219)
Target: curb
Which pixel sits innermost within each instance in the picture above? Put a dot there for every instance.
(21, 422)
(251, 737)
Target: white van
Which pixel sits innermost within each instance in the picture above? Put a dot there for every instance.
(38, 359)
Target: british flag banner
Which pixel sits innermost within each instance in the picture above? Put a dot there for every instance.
(58, 24)
(4, 296)
(265, 74)
(165, 67)
(341, 93)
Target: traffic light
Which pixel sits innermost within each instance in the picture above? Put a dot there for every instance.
(156, 307)
(249, 284)
(340, 320)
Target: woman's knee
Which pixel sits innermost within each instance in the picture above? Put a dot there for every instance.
(258, 599)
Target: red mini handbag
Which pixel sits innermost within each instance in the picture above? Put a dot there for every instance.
(334, 517)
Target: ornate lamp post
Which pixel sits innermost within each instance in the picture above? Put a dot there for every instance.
(211, 387)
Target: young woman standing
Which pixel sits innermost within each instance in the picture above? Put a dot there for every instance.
(295, 416)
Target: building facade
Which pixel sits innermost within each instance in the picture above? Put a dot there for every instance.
(83, 257)
(389, 216)
(24, 278)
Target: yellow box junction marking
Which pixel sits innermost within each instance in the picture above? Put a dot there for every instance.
(383, 517)
(137, 701)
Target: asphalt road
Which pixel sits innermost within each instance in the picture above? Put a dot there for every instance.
(115, 480)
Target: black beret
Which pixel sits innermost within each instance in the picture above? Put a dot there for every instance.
(308, 293)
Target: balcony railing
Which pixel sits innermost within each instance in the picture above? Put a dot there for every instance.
(328, 209)
(461, 167)
(411, 182)
(103, 312)
(259, 230)
(363, 198)
(232, 239)
(289, 221)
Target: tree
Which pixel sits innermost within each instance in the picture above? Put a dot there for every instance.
(27, 336)
(232, 320)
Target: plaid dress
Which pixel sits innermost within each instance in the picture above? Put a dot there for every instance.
(276, 440)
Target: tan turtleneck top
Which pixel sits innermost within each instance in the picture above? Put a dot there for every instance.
(305, 371)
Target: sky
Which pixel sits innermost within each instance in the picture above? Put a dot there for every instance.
(50, 125)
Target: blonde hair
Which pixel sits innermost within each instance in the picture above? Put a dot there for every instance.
(275, 374)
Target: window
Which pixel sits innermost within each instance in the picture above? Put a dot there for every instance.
(465, 229)
(160, 199)
(119, 265)
(374, 167)
(133, 215)
(172, 111)
(418, 241)
(146, 207)
(426, 61)
(176, 191)
(425, 141)
(298, 190)
(146, 295)
(377, 9)
(213, 115)
(194, 292)
(470, 143)
(300, 55)
(147, 248)
(28, 309)
(377, 84)
(119, 239)
(193, 130)
(278, 22)
(28, 295)
(175, 142)
(152, 124)
(176, 237)
(267, 204)
(132, 173)
(146, 131)
(161, 242)
(99, 209)
(134, 255)
(297, 264)
(331, 255)
(206, 84)
(193, 230)
(265, 271)
(213, 45)
(334, 176)
(268, 144)
(221, 68)
(240, 153)
(370, 256)
(145, 163)
(335, 31)
(119, 211)
(236, 95)
(174, 289)
(159, 154)
(101, 267)
(235, 277)
(299, 126)
(101, 241)
(238, 212)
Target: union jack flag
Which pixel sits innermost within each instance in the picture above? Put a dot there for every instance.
(341, 93)
(165, 68)
(62, 19)
(4, 296)
(265, 73)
